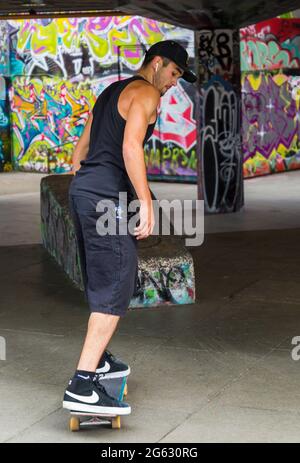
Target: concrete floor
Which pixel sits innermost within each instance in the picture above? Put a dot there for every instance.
(220, 370)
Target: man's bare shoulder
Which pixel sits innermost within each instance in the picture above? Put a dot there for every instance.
(144, 89)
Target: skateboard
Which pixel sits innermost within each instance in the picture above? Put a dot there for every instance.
(115, 387)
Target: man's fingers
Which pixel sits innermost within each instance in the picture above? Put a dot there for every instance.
(141, 228)
(144, 233)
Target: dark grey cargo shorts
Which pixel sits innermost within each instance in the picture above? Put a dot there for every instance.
(108, 263)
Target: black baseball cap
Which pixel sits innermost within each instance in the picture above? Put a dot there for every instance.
(176, 53)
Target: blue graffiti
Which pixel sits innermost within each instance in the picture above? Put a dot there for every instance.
(3, 118)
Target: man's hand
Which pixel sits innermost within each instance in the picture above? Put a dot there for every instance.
(147, 222)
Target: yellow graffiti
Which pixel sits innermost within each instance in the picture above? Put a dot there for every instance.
(280, 79)
(255, 80)
(102, 36)
(174, 158)
(43, 40)
(68, 33)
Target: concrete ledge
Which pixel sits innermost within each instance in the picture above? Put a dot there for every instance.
(166, 270)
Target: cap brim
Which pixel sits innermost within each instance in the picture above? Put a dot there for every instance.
(189, 76)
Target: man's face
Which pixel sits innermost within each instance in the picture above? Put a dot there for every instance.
(167, 77)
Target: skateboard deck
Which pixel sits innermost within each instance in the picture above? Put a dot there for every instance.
(115, 387)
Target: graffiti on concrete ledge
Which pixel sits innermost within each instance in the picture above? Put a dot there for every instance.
(174, 285)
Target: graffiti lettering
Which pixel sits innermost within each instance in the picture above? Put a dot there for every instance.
(271, 125)
(48, 44)
(80, 56)
(220, 144)
(170, 161)
(175, 119)
(215, 52)
(224, 47)
(272, 44)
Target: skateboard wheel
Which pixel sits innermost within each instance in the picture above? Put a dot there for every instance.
(74, 424)
(125, 390)
(116, 422)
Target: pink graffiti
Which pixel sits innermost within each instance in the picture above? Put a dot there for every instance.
(175, 123)
(270, 117)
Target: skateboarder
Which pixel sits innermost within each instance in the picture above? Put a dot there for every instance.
(109, 159)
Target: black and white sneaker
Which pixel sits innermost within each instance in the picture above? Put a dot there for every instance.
(111, 367)
(83, 395)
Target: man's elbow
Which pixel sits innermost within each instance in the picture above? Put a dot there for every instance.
(131, 148)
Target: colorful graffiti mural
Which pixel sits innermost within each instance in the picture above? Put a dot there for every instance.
(271, 123)
(269, 45)
(60, 66)
(270, 50)
(5, 160)
(4, 49)
(172, 148)
(48, 115)
(5, 142)
(87, 46)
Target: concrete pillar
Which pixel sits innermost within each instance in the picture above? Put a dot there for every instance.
(220, 161)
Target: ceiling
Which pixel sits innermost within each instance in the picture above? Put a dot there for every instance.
(193, 14)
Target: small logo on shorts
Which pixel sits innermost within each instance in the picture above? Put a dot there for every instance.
(119, 212)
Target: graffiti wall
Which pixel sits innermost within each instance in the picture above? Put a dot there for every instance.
(269, 45)
(271, 123)
(4, 49)
(171, 151)
(48, 116)
(270, 61)
(5, 160)
(220, 146)
(220, 165)
(5, 141)
(52, 70)
(60, 66)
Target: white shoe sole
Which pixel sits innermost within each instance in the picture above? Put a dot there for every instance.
(85, 408)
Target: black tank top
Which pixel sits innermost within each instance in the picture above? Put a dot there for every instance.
(102, 173)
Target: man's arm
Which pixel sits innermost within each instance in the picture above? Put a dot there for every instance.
(142, 108)
(82, 146)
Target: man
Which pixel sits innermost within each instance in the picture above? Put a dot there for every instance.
(109, 159)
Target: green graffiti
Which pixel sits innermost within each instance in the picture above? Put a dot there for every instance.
(172, 158)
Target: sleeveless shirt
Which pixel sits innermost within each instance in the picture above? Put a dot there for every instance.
(103, 174)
